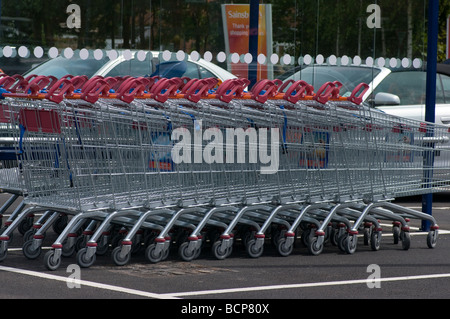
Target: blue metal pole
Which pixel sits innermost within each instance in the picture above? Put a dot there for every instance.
(430, 101)
(253, 41)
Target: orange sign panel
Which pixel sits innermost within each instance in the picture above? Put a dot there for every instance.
(236, 18)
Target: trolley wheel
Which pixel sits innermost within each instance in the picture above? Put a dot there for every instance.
(396, 234)
(350, 243)
(151, 255)
(341, 241)
(50, 262)
(83, 261)
(28, 250)
(334, 233)
(102, 248)
(60, 224)
(25, 225)
(432, 238)
(306, 234)
(406, 240)
(252, 250)
(375, 240)
(282, 249)
(118, 260)
(313, 247)
(29, 234)
(67, 251)
(116, 240)
(367, 235)
(185, 254)
(248, 235)
(80, 242)
(216, 250)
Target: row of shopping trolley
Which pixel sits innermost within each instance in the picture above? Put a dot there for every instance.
(144, 164)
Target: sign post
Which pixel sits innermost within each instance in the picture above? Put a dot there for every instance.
(430, 101)
(236, 25)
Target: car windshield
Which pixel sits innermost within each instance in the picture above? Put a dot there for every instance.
(349, 76)
(61, 66)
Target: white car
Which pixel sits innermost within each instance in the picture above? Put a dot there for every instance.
(133, 63)
(397, 91)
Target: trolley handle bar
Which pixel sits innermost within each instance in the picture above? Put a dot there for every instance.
(200, 89)
(233, 89)
(32, 90)
(7, 82)
(165, 88)
(129, 89)
(59, 89)
(264, 89)
(93, 91)
(358, 93)
(78, 81)
(327, 91)
(298, 90)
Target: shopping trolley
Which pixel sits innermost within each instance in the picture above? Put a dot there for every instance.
(332, 177)
(107, 158)
(12, 180)
(174, 108)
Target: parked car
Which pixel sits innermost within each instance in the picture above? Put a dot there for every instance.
(152, 65)
(397, 91)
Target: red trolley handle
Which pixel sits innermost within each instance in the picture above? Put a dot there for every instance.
(233, 90)
(8, 81)
(130, 89)
(200, 89)
(37, 84)
(301, 89)
(337, 88)
(358, 93)
(188, 85)
(78, 81)
(147, 82)
(270, 89)
(169, 85)
(59, 89)
(93, 91)
(323, 94)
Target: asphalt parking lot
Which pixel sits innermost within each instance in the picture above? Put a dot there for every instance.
(419, 272)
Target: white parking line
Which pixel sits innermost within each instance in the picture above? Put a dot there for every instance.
(88, 283)
(177, 295)
(305, 285)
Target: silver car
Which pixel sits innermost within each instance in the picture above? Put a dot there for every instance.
(397, 91)
(132, 63)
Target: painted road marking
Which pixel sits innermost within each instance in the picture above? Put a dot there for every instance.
(88, 283)
(305, 285)
(177, 295)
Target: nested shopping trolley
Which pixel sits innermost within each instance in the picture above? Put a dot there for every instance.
(11, 179)
(166, 161)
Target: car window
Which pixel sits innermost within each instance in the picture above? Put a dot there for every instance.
(409, 86)
(132, 67)
(60, 67)
(204, 73)
(350, 77)
(445, 81)
(191, 71)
